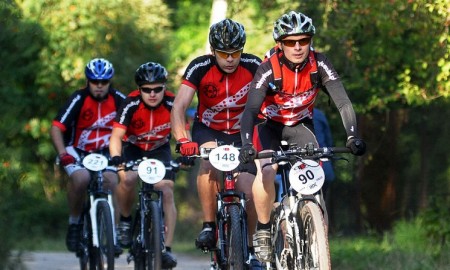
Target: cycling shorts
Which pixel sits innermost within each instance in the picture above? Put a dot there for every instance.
(132, 153)
(79, 155)
(202, 134)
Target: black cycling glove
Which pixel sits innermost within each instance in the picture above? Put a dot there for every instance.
(357, 146)
(116, 161)
(247, 153)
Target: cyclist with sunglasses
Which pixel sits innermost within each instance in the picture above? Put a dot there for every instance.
(83, 125)
(143, 123)
(284, 90)
(221, 82)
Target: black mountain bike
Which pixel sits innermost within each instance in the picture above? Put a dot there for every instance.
(148, 228)
(98, 237)
(231, 251)
(299, 227)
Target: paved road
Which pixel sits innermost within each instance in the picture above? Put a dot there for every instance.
(68, 261)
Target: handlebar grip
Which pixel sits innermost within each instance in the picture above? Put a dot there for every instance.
(264, 155)
(340, 149)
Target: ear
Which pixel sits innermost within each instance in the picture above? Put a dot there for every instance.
(212, 50)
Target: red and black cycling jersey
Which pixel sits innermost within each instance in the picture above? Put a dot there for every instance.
(221, 96)
(146, 127)
(87, 122)
(293, 101)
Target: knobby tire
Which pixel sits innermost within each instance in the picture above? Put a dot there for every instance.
(235, 252)
(316, 248)
(152, 236)
(105, 252)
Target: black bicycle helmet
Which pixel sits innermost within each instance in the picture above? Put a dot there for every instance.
(227, 35)
(293, 23)
(99, 69)
(150, 73)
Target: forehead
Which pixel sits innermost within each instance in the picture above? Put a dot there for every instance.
(152, 85)
(296, 37)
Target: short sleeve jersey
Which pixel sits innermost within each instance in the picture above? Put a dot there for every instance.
(221, 96)
(146, 127)
(87, 122)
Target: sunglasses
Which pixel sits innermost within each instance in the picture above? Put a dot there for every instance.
(291, 43)
(97, 82)
(148, 90)
(225, 55)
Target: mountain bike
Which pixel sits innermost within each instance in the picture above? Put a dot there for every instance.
(98, 236)
(148, 228)
(299, 227)
(231, 251)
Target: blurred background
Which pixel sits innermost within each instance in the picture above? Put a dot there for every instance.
(388, 207)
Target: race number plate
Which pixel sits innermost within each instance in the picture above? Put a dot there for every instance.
(95, 162)
(151, 171)
(224, 158)
(306, 177)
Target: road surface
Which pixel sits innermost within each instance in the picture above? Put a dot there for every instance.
(68, 261)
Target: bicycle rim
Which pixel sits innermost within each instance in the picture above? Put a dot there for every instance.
(105, 252)
(316, 251)
(235, 249)
(152, 236)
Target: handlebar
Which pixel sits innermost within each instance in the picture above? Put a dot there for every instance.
(309, 151)
(133, 165)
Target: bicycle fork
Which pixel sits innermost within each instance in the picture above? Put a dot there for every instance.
(93, 215)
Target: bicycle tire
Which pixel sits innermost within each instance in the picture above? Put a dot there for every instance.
(152, 236)
(235, 249)
(316, 252)
(85, 243)
(137, 249)
(105, 251)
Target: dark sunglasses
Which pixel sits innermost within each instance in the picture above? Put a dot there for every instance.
(291, 43)
(225, 55)
(148, 90)
(97, 82)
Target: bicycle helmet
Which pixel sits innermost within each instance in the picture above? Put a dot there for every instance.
(293, 23)
(150, 73)
(99, 69)
(227, 35)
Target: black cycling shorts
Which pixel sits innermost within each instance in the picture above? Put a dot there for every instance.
(202, 134)
(132, 153)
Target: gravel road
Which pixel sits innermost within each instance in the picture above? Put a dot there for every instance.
(68, 261)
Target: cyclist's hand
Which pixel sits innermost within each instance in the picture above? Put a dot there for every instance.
(357, 146)
(116, 161)
(247, 153)
(66, 159)
(186, 147)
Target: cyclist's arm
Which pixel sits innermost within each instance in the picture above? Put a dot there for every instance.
(182, 101)
(58, 140)
(115, 142)
(334, 86)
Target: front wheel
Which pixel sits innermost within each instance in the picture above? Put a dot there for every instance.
(152, 236)
(105, 251)
(235, 239)
(315, 249)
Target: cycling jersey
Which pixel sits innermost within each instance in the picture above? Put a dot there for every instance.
(221, 96)
(148, 128)
(87, 122)
(294, 102)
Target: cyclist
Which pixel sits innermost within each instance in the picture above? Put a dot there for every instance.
(221, 81)
(83, 125)
(143, 123)
(284, 90)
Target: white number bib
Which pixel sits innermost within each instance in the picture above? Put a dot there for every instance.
(224, 158)
(306, 177)
(151, 171)
(95, 162)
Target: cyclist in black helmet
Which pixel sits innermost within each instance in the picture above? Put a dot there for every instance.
(143, 122)
(221, 81)
(83, 125)
(284, 90)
